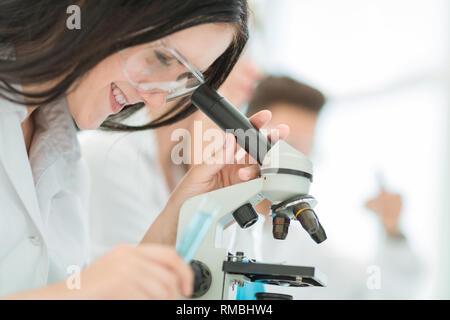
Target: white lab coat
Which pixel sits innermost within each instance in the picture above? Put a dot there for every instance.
(128, 185)
(43, 199)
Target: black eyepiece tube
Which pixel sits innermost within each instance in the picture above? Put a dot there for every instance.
(230, 119)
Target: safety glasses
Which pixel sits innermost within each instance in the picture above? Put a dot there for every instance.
(161, 68)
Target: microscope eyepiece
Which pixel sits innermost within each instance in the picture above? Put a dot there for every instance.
(309, 221)
(230, 119)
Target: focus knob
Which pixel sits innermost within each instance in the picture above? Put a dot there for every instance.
(202, 278)
(245, 216)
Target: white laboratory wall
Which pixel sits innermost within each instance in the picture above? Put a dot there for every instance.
(384, 66)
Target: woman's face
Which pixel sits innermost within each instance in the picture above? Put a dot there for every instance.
(97, 95)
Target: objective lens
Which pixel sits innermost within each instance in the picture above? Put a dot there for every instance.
(309, 221)
(280, 227)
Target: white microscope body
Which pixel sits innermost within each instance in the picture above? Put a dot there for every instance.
(285, 173)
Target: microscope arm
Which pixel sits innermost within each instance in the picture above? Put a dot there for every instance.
(211, 251)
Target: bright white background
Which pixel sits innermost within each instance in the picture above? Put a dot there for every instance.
(385, 67)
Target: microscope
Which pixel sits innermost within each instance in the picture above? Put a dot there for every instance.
(285, 177)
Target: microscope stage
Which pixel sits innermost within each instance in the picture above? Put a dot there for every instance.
(277, 274)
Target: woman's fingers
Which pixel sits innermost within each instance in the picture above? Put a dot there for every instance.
(279, 132)
(260, 118)
(157, 274)
(168, 258)
(225, 155)
(248, 173)
(228, 151)
(224, 166)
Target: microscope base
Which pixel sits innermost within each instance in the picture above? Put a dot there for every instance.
(236, 273)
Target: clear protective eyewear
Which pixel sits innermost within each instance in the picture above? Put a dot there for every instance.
(161, 68)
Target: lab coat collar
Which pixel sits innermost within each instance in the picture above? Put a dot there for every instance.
(14, 158)
(7, 52)
(54, 139)
(10, 107)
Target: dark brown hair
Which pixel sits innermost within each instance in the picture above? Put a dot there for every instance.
(273, 90)
(48, 50)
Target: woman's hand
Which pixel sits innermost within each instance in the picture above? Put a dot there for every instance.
(143, 272)
(207, 177)
(126, 272)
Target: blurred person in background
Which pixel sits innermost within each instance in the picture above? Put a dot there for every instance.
(298, 105)
(133, 174)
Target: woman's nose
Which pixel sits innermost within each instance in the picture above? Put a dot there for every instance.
(155, 100)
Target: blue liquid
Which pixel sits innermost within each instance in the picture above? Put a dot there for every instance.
(194, 235)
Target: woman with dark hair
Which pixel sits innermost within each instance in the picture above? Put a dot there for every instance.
(126, 54)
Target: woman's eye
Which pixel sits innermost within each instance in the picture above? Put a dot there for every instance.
(187, 75)
(162, 58)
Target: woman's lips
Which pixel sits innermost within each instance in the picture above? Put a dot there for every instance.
(117, 98)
